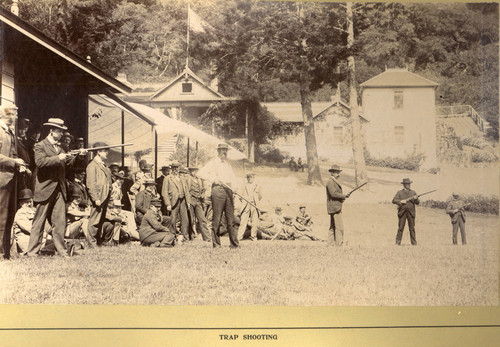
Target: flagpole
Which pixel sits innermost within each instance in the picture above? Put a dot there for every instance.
(187, 40)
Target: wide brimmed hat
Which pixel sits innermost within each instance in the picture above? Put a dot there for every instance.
(56, 123)
(193, 168)
(183, 170)
(175, 163)
(149, 182)
(165, 167)
(277, 208)
(156, 202)
(119, 175)
(222, 146)
(25, 194)
(302, 206)
(406, 181)
(335, 168)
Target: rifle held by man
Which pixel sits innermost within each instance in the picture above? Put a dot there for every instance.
(417, 196)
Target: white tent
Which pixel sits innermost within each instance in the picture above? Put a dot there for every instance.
(107, 127)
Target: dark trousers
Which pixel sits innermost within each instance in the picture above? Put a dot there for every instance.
(96, 220)
(201, 222)
(7, 214)
(54, 211)
(336, 232)
(222, 201)
(460, 223)
(166, 239)
(411, 226)
(180, 210)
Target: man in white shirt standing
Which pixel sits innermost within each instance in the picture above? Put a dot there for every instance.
(220, 173)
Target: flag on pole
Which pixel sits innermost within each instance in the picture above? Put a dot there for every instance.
(196, 24)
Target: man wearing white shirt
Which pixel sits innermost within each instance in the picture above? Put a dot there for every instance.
(220, 173)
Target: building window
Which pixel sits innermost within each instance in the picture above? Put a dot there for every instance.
(338, 135)
(398, 99)
(399, 134)
(187, 87)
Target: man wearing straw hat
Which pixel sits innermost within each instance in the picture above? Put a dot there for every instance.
(51, 190)
(406, 200)
(334, 200)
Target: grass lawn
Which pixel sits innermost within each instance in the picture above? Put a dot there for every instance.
(369, 270)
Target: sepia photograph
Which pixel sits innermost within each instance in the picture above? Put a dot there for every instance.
(249, 153)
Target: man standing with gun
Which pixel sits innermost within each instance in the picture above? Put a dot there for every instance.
(51, 190)
(334, 200)
(456, 211)
(406, 199)
(251, 193)
(220, 173)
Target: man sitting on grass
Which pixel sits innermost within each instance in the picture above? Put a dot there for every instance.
(114, 224)
(304, 219)
(155, 229)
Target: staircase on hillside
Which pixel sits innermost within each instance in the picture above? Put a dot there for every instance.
(166, 148)
(463, 119)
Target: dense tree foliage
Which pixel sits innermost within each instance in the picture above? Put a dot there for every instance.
(260, 49)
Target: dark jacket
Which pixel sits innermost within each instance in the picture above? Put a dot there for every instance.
(50, 171)
(455, 205)
(409, 206)
(142, 202)
(151, 223)
(334, 196)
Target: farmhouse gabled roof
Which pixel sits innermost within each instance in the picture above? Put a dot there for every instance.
(188, 72)
(397, 78)
(292, 111)
(36, 35)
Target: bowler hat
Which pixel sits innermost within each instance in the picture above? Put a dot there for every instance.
(155, 202)
(25, 194)
(406, 181)
(67, 134)
(222, 146)
(100, 144)
(334, 168)
(149, 182)
(56, 123)
(302, 206)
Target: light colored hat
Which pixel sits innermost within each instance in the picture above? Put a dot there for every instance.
(117, 203)
(56, 123)
(175, 163)
(334, 168)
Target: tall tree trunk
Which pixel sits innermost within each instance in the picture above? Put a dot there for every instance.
(250, 113)
(314, 175)
(357, 137)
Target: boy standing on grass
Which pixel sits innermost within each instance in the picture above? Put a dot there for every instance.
(456, 211)
(406, 199)
(155, 227)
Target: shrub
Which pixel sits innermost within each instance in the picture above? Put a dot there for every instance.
(204, 154)
(412, 162)
(482, 156)
(240, 144)
(476, 142)
(269, 154)
(433, 170)
(478, 203)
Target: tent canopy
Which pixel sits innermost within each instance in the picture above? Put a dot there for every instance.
(105, 115)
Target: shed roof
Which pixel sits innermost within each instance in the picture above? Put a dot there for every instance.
(37, 36)
(398, 78)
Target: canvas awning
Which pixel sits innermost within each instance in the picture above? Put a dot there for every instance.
(140, 122)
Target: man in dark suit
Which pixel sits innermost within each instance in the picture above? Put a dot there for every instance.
(196, 191)
(177, 199)
(334, 200)
(143, 199)
(9, 166)
(165, 171)
(77, 185)
(51, 190)
(456, 210)
(406, 199)
(99, 185)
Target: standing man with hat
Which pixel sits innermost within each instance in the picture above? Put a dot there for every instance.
(251, 192)
(99, 185)
(334, 200)
(406, 199)
(196, 192)
(165, 171)
(176, 198)
(9, 166)
(456, 211)
(220, 173)
(51, 191)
